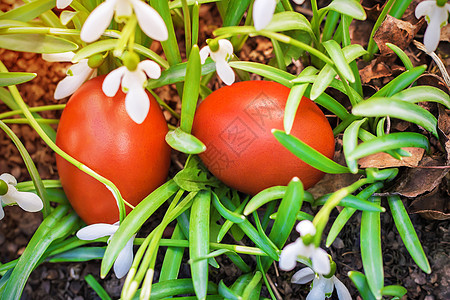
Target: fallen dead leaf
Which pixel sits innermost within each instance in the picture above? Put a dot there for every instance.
(397, 32)
(384, 160)
(434, 205)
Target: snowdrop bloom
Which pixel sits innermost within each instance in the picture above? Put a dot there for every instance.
(220, 57)
(10, 195)
(137, 103)
(263, 12)
(321, 287)
(318, 256)
(123, 262)
(436, 17)
(60, 4)
(77, 74)
(148, 18)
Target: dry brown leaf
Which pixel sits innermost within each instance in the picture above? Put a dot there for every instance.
(397, 32)
(384, 160)
(434, 205)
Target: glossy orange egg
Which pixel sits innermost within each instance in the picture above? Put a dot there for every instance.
(97, 131)
(235, 124)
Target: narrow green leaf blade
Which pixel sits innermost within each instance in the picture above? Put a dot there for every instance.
(381, 107)
(199, 242)
(28, 11)
(12, 78)
(337, 55)
(360, 281)
(289, 20)
(350, 141)
(424, 94)
(350, 8)
(394, 290)
(308, 154)
(371, 255)
(36, 43)
(390, 142)
(184, 142)
(408, 233)
(191, 90)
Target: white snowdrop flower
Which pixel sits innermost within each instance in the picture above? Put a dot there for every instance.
(220, 57)
(10, 195)
(77, 74)
(137, 103)
(318, 256)
(125, 259)
(148, 18)
(60, 4)
(321, 287)
(263, 11)
(436, 17)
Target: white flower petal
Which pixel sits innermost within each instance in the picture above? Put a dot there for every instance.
(9, 179)
(11, 195)
(328, 285)
(303, 276)
(317, 292)
(152, 69)
(151, 23)
(123, 8)
(299, 2)
(29, 201)
(96, 231)
(111, 83)
(60, 4)
(2, 213)
(263, 12)
(288, 256)
(98, 21)
(204, 53)
(137, 104)
(225, 72)
(341, 289)
(424, 8)
(432, 36)
(66, 87)
(320, 261)
(124, 260)
(306, 227)
(225, 51)
(58, 57)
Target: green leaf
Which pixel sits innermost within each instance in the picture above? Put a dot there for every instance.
(184, 142)
(289, 20)
(380, 107)
(5, 24)
(337, 55)
(408, 233)
(394, 290)
(235, 12)
(269, 72)
(424, 94)
(361, 284)
(225, 212)
(400, 82)
(350, 141)
(294, 99)
(170, 288)
(12, 78)
(308, 154)
(371, 254)
(57, 225)
(177, 73)
(134, 221)
(191, 91)
(36, 43)
(195, 177)
(350, 8)
(93, 283)
(199, 242)
(178, 4)
(402, 55)
(29, 11)
(390, 142)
